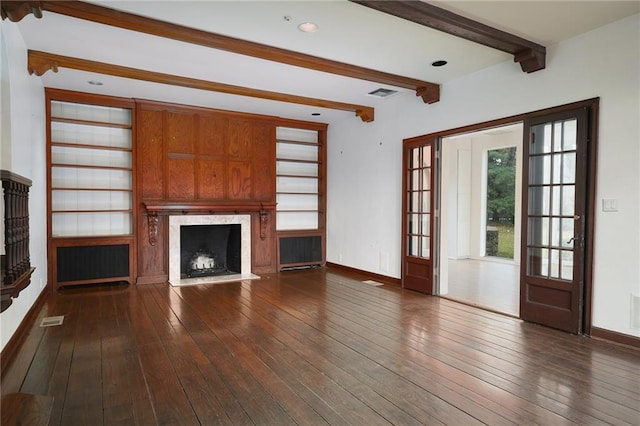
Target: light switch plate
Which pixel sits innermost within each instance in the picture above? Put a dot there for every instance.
(609, 205)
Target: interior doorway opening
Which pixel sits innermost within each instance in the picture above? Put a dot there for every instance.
(480, 218)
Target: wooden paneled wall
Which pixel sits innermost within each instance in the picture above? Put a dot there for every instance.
(189, 154)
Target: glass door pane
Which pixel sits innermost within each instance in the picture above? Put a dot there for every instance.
(419, 203)
(552, 180)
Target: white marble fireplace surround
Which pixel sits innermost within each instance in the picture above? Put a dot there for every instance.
(176, 221)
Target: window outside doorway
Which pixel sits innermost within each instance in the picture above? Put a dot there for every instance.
(501, 203)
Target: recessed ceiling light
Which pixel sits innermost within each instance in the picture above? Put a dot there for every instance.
(440, 63)
(308, 27)
(95, 83)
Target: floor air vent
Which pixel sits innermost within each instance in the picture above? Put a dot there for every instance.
(52, 321)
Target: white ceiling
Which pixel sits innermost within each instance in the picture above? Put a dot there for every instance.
(347, 33)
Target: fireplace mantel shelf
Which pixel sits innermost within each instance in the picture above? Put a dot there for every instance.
(159, 207)
(182, 207)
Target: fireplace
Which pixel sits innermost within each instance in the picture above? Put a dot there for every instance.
(209, 248)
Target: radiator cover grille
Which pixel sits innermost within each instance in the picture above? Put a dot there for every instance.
(300, 250)
(92, 262)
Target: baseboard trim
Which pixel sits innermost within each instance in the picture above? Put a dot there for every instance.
(367, 275)
(153, 279)
(615, 337)
(14, 343)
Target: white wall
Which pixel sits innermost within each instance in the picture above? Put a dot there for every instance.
(23, 152)
(455, 198)
(364, 160)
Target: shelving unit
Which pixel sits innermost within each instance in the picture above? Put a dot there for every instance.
(300, 188)
(297, 179)
(90, 185)
(91, 170)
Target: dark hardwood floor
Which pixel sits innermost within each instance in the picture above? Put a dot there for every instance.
(312, 347)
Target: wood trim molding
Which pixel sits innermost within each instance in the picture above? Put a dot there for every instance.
(41, 62)
(369, 275)
(202, 207)
(531, 56)
(429, 92)
(614, 336)
(15, 342)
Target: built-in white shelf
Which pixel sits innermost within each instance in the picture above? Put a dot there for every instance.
(91, 164)
(297, 179)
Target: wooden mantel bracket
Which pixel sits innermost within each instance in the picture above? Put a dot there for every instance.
(264, 222)
(152, 224)
(40, 62)
(530, 55)
(16, 10)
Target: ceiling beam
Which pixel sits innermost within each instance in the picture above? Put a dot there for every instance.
(530, 55)
(429, 92)
(16, 10)
(40, 62)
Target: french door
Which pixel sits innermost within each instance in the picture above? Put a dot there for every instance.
(553, 226)
(417, 223)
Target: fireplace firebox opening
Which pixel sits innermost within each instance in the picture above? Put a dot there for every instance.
(210, 250)
(207, 255)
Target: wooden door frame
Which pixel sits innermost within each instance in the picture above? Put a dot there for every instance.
(592, 106)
